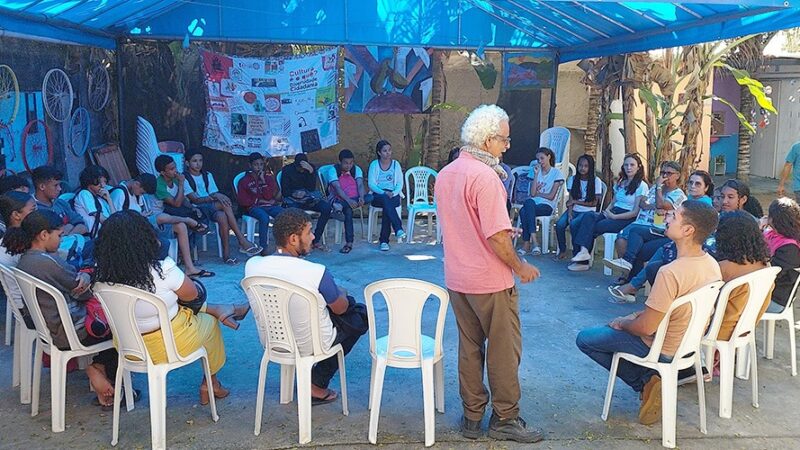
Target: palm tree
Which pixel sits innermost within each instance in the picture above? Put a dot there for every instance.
(749, 56)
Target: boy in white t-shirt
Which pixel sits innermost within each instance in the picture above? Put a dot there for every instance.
(93, 201)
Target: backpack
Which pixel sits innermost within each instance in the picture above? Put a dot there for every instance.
(126, 204)
(522, 189)
(191, 181)
(98, 211)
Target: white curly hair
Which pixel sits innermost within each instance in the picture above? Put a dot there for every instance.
(481, 124)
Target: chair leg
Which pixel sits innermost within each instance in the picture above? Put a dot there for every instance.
(27, 341)
(343, 382)
(376, 391)
(751, 347)
(58, 389)
(36, 384)
(156, 386)
(287, 383)
(117, 403)
(371, 382)
(427, 402)
(545, 234)
(769, 340)
(212, 403)
(669, 407)
(303, 371)
(430, 223)
(219, 241)
(726, 363)
(127, 382)
(742, 363)
(262, 381)
(15, 359)
(410, 226)
(612, 377)
(792, 349)
(438, 387)
(9, 321)
(608, 251)
(701, 394)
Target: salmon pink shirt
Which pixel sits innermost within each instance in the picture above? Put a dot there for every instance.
(471, 204)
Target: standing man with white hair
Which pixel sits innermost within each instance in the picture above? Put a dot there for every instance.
(479, 263)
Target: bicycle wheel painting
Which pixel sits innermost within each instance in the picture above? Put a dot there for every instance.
(37, 145)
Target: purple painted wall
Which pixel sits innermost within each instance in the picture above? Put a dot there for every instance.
(725, 86)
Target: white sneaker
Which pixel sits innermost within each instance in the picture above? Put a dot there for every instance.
(401, 236)
(384, 246)
(618, 264)
(581, 256)
(577, 267)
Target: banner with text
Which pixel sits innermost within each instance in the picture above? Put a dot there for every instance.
(277, 106)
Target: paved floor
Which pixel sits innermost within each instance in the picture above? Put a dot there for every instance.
(562, 389)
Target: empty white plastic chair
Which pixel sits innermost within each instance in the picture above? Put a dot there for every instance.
(148, 148)
(119, 303)
(557, 139)
(405, 346)
(24, 339)
(249, 223)
(418, 199)
(269, 298)
(744, 336)
(44, 344)
(787, 314)
(687, 355)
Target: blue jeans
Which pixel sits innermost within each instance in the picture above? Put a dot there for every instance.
(317, 205)
(262, 214)
(528, 214)
(349, 234)
(389, 219)
(656, 262)
(596, 224)
(601, 342)
(638, 235)
(561, 229)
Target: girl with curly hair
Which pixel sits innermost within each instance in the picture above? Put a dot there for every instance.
(782, 233)
(140, 268)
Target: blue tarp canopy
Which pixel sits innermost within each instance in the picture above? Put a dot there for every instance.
(571, 29)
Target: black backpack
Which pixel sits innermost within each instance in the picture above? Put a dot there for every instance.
(192, 183)
(126, 204)
(98, 208)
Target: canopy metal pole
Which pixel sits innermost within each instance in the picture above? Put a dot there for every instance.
(459, 23)
(551, 115)
(120, 97)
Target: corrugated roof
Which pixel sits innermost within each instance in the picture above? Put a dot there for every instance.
(573, 29)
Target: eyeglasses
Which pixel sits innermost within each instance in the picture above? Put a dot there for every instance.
(505, 139)
(666, 173)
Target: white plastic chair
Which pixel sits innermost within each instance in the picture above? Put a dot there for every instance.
(58, 358)
(556, 139)
(119, 303)
(405, 346)
(744, 336)
(418, 199)
(204, 240)
(24, 339)
(248, 222)
(372, 219)
(687, 355)
(67, 196)
(9, 321)
(787, 314)
(148, 148)
(269, 298)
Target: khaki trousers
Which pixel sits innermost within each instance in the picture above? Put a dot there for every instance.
(493, 318)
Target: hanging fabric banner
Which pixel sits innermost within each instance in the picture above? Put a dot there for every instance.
(529, 70)
(387, 79)
(276, 106)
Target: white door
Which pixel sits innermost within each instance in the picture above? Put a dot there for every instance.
(788, 106)
(764, 144)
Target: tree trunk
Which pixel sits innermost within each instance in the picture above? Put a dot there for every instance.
(408, 140)
(745, 138)
(593, 115)
(693, 116)
(602, 133)
(629, 124)
(433, 156)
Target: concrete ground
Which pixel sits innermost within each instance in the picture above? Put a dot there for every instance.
(562, 389)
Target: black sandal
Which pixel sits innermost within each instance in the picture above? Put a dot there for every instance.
(346, 249)
(330, 397)
(201, 229)
(202, 274)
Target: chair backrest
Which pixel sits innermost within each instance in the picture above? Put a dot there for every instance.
(236, 182)
(556, 139)
(119, 303)
(323, 173)
(790, 301)
(760, 282)
(604, 190)
(702, 303)
(12, 291)
(28, 285)
(67, 196)
(146, 146)
(269, 298)
(417, 182)
(110, 157)
(405, 299)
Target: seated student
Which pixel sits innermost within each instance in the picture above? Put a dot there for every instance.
(736, 195)
(782, 233)
(14, 208)
(651, 257)
(341, 319)
(346, 188)
(193, 323)
(299, 189)
(47, 188)
(259, 195)
(93, 202)
(547, 181)
(386, 184)
(14, 183)
(170, 189)
(37, 240)
(203, 193)
(628, 190)
(665, 195)
(688, 226)
(584, 191)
